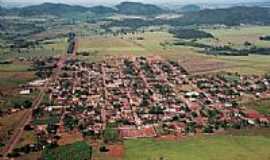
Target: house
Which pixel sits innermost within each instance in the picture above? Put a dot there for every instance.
(25, 92)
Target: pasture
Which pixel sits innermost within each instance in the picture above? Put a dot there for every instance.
(237, 36)
(200, 148)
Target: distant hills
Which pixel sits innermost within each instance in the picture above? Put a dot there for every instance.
(50, 9)
(59, 9)
(190, 8)
(234, 16)
(191, 14)
(102, 10)
(229, 16)
(135, 8)
(2, 11)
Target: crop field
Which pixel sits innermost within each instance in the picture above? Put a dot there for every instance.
(237, 36)
(200, 148)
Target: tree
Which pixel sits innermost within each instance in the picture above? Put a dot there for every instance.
(103, 149)
(208, 129)
(27, 104)
(70, 122)
(110, 135)
(247, 43)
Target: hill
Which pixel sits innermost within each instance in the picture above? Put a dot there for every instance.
(2, 11)
(134, 8)
(59, 9)
(228, 16)
(231, 17)
(190, 8)
(51, 9)
(102, 10)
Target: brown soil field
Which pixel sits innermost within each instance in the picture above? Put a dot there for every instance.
(70, 137)
(116, 151)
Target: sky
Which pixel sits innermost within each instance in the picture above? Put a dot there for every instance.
(108, 2)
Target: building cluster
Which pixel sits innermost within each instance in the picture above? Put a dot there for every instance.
(147, 96)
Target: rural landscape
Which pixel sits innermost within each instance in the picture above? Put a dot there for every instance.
(119, 80)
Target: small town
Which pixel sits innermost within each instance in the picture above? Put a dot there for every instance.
(134, 80)
(148, 97)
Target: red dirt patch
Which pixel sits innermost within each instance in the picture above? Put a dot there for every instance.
(116, 151)
(200, 65)
(137, 133)
(70, 137)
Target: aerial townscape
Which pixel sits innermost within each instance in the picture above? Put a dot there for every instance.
(135, 81)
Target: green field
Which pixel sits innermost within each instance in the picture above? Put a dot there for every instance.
(12, 75)
(201, 148)
(75, 151)
(237, 36)
(252, 64)
(14, 67)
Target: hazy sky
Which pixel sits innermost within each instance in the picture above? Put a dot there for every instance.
(94, 2)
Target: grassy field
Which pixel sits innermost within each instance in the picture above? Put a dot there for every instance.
(28, 137)
(8, 123)
(11, 77)
(190, 57)
(14, 67)
(202, 148)
(129, 45)
(252, 64)
(78, 151)
(49, 48)
(237, 36)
